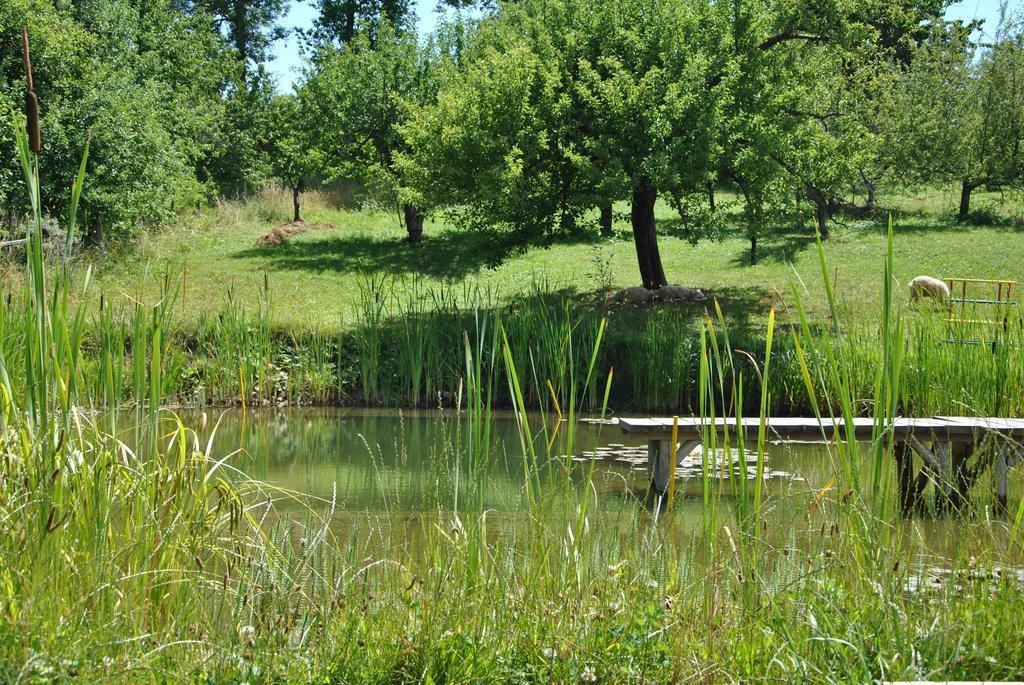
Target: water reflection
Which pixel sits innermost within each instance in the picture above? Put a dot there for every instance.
(381, 469)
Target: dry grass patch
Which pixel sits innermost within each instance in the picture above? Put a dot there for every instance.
(280, 235)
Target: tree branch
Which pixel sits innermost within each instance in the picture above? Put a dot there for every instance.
(771, 42)
(786, 36)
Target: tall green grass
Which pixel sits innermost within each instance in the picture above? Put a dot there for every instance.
(156, 559)
(404, 350)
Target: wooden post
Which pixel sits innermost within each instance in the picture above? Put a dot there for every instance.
(652, 461)
(944, 477)
(962, 452)
(659, 463)
(673, 460)
(908, 494)
(1001, 478)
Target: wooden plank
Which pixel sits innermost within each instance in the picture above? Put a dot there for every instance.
(1013, 428)
(984, 421)
(956, 428)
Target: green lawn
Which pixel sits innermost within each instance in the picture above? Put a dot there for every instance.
(315, 278)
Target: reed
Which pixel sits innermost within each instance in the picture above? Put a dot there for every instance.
(399, 353)
(142, 554)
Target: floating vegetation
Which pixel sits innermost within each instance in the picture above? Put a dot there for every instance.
(941, 579)
(725, 463)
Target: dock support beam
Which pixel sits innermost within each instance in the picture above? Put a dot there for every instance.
(1001, 473)
(945, 465)
(944, 483)
(659, 461)
(907, 483)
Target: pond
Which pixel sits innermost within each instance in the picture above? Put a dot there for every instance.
(376, 467)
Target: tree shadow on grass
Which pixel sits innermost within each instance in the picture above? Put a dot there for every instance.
(449, 255)
(744, 308)
(778, 248)
(647, 341)
(923, 221)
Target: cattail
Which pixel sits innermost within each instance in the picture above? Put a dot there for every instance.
(27, 58)
(35, 135)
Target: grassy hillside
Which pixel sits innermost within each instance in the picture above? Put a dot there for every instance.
(314, 277)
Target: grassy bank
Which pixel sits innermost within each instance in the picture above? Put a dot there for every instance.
(155, 560)
(347, 314)
(404, 349)
(314, 279)
(166, 563)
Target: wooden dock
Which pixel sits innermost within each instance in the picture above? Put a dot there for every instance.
(945, 445)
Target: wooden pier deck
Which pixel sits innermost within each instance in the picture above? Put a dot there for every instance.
(944, 444)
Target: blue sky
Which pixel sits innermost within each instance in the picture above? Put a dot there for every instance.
(287, 61)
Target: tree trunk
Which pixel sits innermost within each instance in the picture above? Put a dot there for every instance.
(606, 219)
(965, 200)
(821, 218)
(711, 196)
(96, 231)
(644, 235)
(295, 204)
(413, 223)
(821, 214)
(869, 187)
(799, 214)
(753, 250)
(567, 221)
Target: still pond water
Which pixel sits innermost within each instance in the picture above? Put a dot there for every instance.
(372, 465)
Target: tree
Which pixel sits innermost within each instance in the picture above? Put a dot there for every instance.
(956, 116)
(568, 105)
(657, 118)
(790, 118)
(142, 80)
(338, 20)
(291, 151)
(252, 26)
(501, 145)
(359, 97)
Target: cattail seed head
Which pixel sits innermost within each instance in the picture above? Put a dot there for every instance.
(35, 134)
(28, 59)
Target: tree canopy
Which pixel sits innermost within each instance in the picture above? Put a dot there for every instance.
(525, 117)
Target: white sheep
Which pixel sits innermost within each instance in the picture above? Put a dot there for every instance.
(926, 286)
(636, 294)
(677, 293)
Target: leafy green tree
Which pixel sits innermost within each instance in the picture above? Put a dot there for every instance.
(237, 162)
(489, 149)
(568, 105)
(251, 26)
(793, 139)
(650, 91)
(142, 79)
(956, 115)
(359, 97)
(292, 153)
(338, 21)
